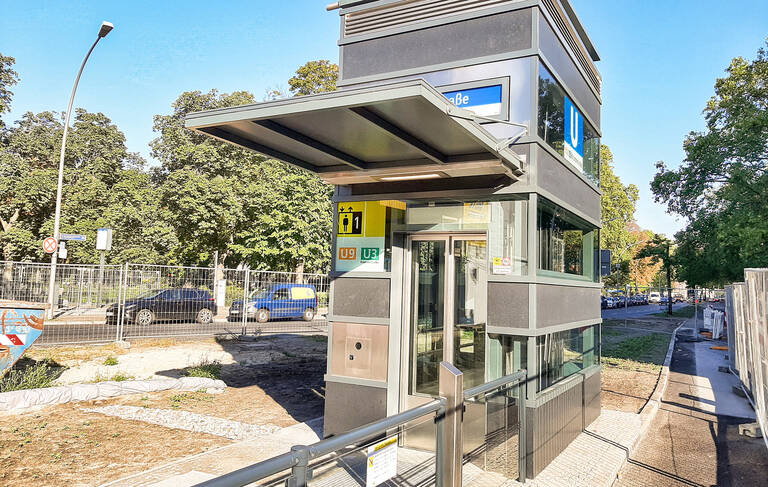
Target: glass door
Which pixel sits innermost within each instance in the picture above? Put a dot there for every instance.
(446, 293)
(447, 283)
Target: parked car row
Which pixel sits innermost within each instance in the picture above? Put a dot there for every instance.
(285, 301)
(620, 301)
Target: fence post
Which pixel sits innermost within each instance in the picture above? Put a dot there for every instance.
(451, 388)
(244, 307)
(299, 474)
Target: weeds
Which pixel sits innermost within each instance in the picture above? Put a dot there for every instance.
(31, 376)
(178, 400)
(110, 360)
(206, 368)
(119, 377)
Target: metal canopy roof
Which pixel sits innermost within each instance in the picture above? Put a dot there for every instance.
(393, 132)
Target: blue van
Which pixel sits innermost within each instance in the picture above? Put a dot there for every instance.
(277, 301)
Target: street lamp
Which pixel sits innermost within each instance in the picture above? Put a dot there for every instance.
(105, 29)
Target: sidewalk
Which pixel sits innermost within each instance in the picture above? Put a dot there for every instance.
(694, 438)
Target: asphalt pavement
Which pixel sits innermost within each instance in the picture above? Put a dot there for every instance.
(638, 311)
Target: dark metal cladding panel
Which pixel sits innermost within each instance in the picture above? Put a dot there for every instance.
(361, 297)
(483, 36)
(508, 304)
(561, 182)
(592, 397)
(562, 63)
(573, 304)
(370, 404)
(553, 426)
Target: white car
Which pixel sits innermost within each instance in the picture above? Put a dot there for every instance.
(654, 298)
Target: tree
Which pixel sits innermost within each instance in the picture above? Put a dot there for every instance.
(8, 78)
(659, 251)
(617, 211)
(314, 77)
(722, 184)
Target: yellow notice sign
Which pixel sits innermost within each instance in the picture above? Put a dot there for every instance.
(361, 219)
(382, 462)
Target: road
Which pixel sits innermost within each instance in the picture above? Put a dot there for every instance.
(95, 331)
(638, 311)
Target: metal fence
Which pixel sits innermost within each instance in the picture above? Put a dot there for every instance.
(96, 304)
(747, 312)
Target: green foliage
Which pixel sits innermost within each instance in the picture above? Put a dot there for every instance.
(206, 368)
(30, 376)
(110, 360)
(618, 211)
(314, 77)
(649, 349)
(722, 185)
(8, 78)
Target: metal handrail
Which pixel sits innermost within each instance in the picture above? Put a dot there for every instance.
(299, 457)
(510, 379)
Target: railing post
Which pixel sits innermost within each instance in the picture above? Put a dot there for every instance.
(451, 388)
(299, 472)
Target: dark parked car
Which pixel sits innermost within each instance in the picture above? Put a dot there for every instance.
(167, 304)
(278, 301)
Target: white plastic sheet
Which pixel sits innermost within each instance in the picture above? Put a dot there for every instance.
(19, 400)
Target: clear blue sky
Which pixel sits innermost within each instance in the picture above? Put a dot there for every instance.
(659, 63)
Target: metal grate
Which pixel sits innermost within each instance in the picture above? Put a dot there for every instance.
(410, 12)
(565, 28)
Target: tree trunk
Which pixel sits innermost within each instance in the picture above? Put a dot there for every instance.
(300, 272)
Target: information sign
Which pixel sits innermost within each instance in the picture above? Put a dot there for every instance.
(382, 462)
(360, 236)
(73, 236)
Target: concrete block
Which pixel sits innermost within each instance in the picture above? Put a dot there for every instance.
(751, 430)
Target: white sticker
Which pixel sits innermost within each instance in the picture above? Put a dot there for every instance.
(382, 462)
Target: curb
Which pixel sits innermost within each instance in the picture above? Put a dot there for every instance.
(652, 406)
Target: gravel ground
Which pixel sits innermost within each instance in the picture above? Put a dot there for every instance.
(184, 420)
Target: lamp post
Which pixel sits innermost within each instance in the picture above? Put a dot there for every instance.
(105, 28)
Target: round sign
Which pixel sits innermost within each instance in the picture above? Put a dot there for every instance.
(49, 245)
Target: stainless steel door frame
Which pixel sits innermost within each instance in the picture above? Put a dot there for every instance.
(406, 370)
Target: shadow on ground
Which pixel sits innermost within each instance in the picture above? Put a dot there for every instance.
(287, 368)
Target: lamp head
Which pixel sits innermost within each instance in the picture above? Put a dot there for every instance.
(105, 29)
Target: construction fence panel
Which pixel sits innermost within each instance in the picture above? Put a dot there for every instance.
(757, 320)
(82, 292)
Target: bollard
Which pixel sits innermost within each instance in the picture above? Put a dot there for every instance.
(451, 388)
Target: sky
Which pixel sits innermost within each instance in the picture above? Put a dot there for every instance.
(660, 60)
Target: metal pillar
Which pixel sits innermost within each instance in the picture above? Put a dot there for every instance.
(452, 390)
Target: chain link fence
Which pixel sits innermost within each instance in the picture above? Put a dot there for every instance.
(101, 304)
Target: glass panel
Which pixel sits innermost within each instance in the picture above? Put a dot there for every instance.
(427, 316)
(469, 309)
(507, 355)
(553, 103)
(508, 237)
(567, 244)
(565, 353)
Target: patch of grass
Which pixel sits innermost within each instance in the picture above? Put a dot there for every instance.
(686, 312)
(207, 368)
(318, 338)
(119, 377)
(28, 374)
(645, 352)
(110, 360)
(178, 400)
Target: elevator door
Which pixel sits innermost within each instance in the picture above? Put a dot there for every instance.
(446, 315)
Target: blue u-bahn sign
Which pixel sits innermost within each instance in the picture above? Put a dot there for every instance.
(574, 134)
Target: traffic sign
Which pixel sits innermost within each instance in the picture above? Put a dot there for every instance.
(49, 245)
(72, 236)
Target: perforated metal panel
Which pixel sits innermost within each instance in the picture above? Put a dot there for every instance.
(570, 37)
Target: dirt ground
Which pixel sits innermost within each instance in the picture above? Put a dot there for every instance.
(64, 445)
(633, 354)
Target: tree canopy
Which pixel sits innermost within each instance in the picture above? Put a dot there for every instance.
(721, 187)
(204, 196)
